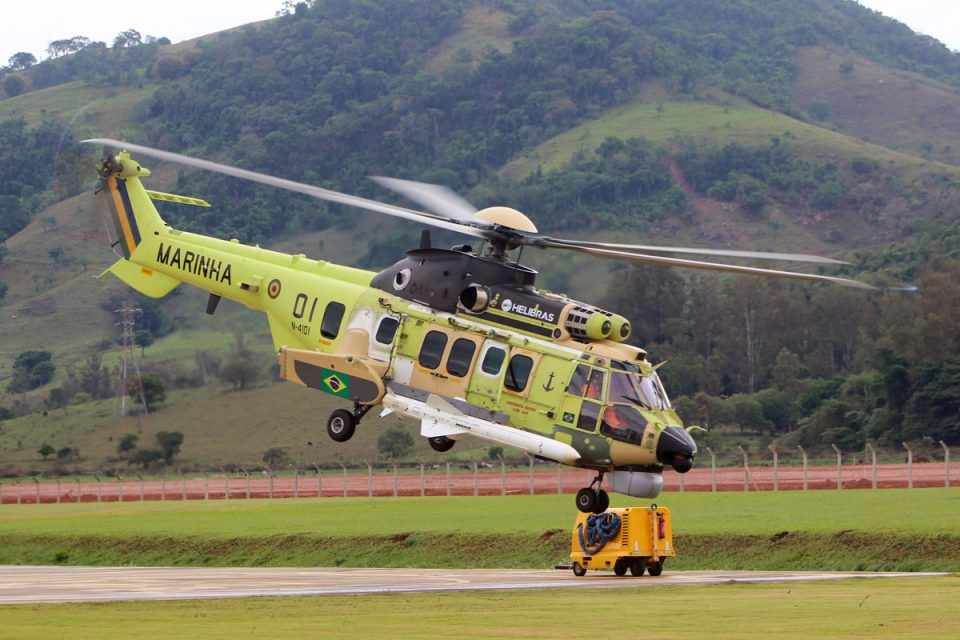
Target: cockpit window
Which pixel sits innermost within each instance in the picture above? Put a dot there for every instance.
(578, 383)
(646, 391)
(595, 386)
(623, 422)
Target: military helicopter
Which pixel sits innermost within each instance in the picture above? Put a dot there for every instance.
(459, 339)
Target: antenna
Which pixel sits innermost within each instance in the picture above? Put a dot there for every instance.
(128, 323)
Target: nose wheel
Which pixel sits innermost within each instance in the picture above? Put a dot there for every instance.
(593, 499)
(342, 424)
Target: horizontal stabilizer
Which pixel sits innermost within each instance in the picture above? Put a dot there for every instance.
(147, 281)
(172, 197)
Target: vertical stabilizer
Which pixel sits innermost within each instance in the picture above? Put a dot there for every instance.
(133, 214)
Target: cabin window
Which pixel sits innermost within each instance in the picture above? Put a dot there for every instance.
(588, 416)
(387, 330)
(518, 373)
(431, 351)
(595, 386)
(578, 383)
(622, 422)
(332, 317)
(493, 361)
(461, 356)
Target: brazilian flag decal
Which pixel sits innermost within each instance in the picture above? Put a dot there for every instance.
(335, 382)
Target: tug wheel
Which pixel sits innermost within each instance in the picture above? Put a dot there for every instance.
(603, 502)
(587, 500)
(636, 568)
(341, 425)
(579, 570)
(656, 568)
(441, 443)
(620, 567)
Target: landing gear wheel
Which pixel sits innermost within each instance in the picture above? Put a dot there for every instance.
(636, 568)
(441, 443)
(579, 570)
(656, 568)
(587, 500)
(340, 425)
(620, 567)
(603, 501)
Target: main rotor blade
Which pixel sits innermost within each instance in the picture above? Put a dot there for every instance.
(664, 261)
(436, 198)
(298, 187)
(730, 253)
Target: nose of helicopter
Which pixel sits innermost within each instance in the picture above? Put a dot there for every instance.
(676, 448)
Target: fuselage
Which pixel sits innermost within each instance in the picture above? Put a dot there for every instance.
(504, 362)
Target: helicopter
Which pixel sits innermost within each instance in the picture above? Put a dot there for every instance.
(457, 338)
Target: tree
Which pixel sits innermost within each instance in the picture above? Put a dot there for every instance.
(394, 443)
(154, 392)
(128, 38)
(31, 369)
(14, 85)
(495, 453)
(276, 457)
(169, 443)
(127, 443)
(240, 370)
(3, 290)
(66, 454)
(22, 60)
(46, 451)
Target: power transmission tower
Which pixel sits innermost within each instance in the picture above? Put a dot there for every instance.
(128, 331)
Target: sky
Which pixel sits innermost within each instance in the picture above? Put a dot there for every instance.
(29, 26)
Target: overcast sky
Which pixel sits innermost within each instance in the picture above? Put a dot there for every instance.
(30, 25)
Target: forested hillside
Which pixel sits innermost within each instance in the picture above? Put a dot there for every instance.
(672, 121)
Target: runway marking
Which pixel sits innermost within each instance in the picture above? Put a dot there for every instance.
(34, 584)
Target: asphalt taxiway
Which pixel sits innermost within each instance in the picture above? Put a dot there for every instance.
(36, 584)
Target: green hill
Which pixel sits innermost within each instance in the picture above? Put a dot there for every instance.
(815, 125)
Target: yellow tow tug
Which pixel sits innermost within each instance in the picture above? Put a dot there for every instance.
(634, 539)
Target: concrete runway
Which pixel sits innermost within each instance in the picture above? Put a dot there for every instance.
(35, 584)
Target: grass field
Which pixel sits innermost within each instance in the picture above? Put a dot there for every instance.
(887, 608)
(920, 511)
(662, 122)
(862, 530)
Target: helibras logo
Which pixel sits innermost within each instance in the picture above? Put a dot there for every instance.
(195, 263)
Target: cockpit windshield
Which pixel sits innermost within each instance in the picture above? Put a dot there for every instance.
(631, 386)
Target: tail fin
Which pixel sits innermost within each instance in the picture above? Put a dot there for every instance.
(133, 213)
(135, 218)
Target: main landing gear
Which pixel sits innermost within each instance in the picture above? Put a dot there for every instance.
(441, 443)
(342, 424)
(593, 499)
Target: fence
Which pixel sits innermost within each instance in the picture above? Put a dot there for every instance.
(476, 480)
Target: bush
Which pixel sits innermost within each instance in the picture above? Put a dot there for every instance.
(14, 85)
(127, 443)
(146, 457)
(46, 451)
(276, 457)
(394, 443)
